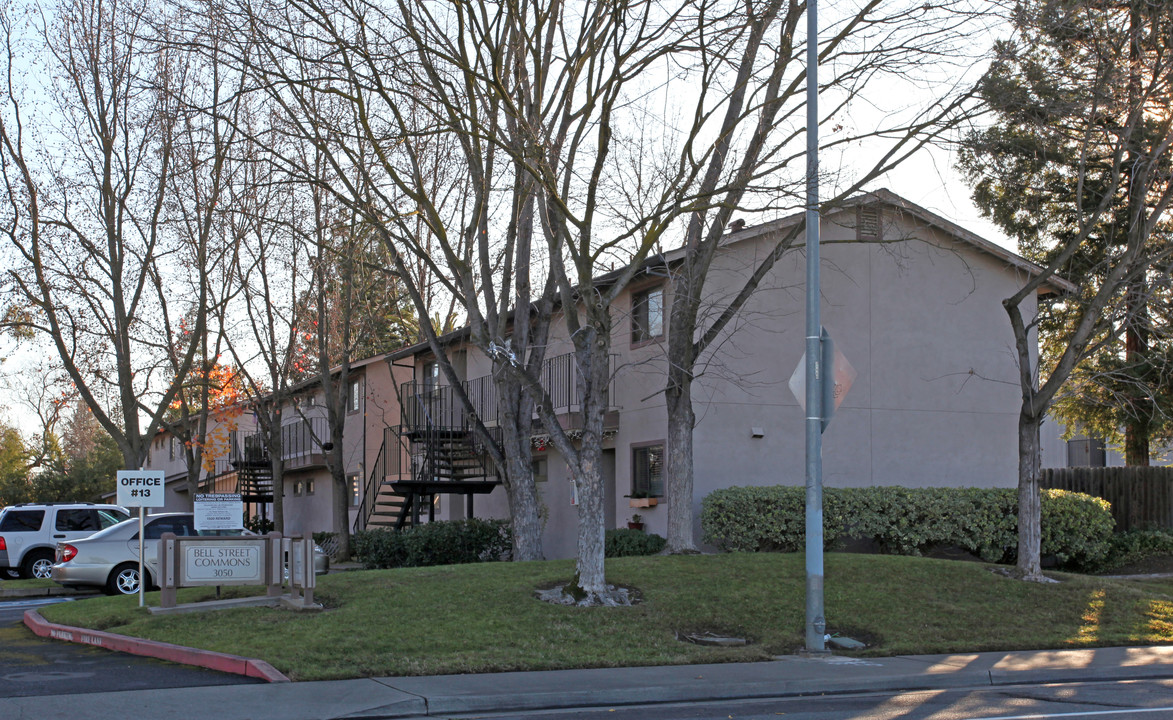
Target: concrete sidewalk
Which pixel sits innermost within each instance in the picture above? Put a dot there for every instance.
(407, 697)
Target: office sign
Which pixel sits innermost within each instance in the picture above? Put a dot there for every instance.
(140, 488)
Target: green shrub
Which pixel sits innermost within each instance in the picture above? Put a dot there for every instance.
(908, 521)
(1135, 546)
(628, 543)
(435, 543)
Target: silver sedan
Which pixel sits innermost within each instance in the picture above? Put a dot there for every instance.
(108, 559)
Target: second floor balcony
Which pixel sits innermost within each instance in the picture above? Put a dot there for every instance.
(426, 405)
(301, 447)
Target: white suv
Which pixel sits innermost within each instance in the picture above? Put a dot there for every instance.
(29, 532)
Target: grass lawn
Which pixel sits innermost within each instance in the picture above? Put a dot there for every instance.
(30, 584)
(484, 618)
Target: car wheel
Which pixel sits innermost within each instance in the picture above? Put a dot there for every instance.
(123, 580)
(10, 574)
(38, 564)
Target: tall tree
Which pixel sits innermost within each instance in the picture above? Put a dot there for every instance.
(89, 175)
(84, 467)
(1077, 170)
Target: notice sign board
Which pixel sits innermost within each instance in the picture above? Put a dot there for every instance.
(227, 561)
(140, 488)
(219, 511)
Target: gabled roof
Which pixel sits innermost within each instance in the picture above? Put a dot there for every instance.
(884, 196)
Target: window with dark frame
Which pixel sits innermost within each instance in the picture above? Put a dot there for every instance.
(431, 375)
(352, 398)
(647, 315)
(647, 471)
(539, 469)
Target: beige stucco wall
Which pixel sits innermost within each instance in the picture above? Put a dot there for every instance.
(919, 317)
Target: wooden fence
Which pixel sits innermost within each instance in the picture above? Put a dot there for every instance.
(1141, 497)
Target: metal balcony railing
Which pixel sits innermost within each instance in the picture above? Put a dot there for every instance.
(425, 405)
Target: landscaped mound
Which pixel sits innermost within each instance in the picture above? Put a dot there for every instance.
(1076, 528)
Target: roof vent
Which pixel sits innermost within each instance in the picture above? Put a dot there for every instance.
(868, 225)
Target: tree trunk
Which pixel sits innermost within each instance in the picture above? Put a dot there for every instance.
(519, 484)
(592, 353)
(341, 488)
(1138, 425)
(678, 462)
(1029, 505)
(277, 469)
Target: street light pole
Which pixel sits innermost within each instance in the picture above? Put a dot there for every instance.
(815, 373)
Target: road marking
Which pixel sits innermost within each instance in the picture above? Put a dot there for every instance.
(1085, 713)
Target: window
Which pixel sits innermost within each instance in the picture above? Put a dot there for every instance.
(22, 520)
(539, 470)
(309, 487)
(431, 375)
(1086, 452)
(106, 518)
(76, 520)
(354, 396)
(647, 315)
(181, 526)
(647, 471)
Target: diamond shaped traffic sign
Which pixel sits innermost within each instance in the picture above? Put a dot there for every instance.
(842, 375)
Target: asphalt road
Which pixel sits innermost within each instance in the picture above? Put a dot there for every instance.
(30, 665)
(1131, 700)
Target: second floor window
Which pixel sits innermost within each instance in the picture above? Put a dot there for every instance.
(647, 315)
(431, 375)
(353, 397)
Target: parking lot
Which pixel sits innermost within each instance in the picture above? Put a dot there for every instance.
(31, 666)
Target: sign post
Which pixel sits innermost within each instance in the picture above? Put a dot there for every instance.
(141, 489)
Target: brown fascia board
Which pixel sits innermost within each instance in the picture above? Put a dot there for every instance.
(462, 334)
(357, 364)
(1053, 285)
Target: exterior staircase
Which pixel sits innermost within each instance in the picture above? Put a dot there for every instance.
(416, 464)
(254, 472)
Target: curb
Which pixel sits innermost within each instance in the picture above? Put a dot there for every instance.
(222, 662)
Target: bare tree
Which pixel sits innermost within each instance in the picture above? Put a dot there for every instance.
(209, 160)
(89, 198)
(266, 340)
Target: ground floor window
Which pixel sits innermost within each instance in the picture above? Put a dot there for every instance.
(647, 471)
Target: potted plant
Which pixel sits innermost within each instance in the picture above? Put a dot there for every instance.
(642, 500)
(636, 522)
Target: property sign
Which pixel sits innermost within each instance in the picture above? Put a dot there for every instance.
(223, 562)
(140, 488)
(219, 511)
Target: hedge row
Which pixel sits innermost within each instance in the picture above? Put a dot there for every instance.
(435, 543)
(1076, 528)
